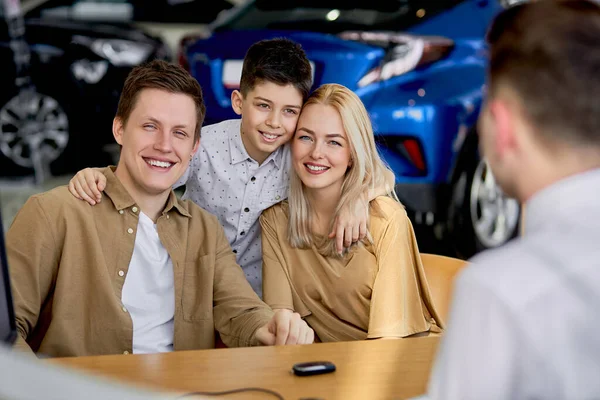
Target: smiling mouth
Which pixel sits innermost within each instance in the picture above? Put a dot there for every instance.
(159, 164)
(269, 137)
(315, 169)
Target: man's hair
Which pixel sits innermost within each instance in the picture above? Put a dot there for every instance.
(280, 61)
(547, 53)
(366, 173)
(165, 76)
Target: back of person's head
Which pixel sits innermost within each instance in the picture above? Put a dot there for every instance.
(280, 61)
(366, 172)
(165, 76)
(547, 53)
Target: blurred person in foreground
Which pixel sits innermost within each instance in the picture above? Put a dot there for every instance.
(143, 272)
(524, 320)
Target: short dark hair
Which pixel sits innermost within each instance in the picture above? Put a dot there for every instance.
(547, 52)
(280, 61)
(159, 74)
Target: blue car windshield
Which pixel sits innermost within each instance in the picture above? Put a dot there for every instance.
(332, 16)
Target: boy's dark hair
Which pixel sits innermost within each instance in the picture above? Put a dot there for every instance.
(280, 61)
(547, 52)
(159, 74)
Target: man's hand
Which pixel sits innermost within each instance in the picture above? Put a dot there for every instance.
(351, 225)
(286, 327)
(87, 185)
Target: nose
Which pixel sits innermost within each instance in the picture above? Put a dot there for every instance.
(163, 142)
(316, 152)
(273, 121)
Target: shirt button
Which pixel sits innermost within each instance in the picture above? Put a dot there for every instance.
(121, 273)
(125, 352)
(129, 230)
(235, 251)
(253, 179)
(167, 216)
(246, 209)
(277, 197)
(134, 209)
(242, 233)
(124, 309)
(120, 211)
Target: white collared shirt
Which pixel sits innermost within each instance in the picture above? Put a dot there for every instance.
(148, 292)
(225, 181)
(525, 319)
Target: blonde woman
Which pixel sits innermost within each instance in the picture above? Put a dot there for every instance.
(377, 289)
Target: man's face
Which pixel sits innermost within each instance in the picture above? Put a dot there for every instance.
(158, 142)
(269, 116)
(493, 138)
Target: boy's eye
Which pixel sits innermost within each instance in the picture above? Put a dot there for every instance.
(263, 105)
(180, 133)
(291, 111)
(149, 126)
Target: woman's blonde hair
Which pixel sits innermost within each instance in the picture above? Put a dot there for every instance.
(366, 173)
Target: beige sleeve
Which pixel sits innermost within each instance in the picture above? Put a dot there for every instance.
(396, 304)
(33, 258)
(238, 311)
(277, 291)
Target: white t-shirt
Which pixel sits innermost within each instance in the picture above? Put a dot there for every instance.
(148, 291)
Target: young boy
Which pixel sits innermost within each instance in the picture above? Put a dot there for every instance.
(241, 167)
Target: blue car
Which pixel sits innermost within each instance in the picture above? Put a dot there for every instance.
(418, 66)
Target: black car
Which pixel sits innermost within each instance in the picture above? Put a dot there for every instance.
(77, 71)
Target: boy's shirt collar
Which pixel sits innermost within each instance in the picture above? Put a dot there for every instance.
(238, 152)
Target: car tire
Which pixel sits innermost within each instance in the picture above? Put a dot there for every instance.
(480, 216)
(30, 113)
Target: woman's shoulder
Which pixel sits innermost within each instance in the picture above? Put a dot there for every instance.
(276, 213)
(386, 207)
(385, 211)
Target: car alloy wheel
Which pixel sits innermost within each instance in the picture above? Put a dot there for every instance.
(494, 216)
(33, 122)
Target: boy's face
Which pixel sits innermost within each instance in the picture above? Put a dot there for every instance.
(269, 116)
(158, 142)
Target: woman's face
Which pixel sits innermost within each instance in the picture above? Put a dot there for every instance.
(320, 148)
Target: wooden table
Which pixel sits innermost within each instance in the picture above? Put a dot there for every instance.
(379, 369)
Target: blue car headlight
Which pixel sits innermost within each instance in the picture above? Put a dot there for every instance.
(406, 52)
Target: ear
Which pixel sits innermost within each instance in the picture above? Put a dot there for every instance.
(504, 121)
(117, 129)
(237, 100)
(196, 145)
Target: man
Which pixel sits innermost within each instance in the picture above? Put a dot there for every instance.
(524, 319)
(143, 272)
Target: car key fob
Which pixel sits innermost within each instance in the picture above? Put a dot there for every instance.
(313, 368)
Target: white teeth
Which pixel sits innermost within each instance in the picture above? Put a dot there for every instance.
(270, 137)
(162, 164)
(315, 168)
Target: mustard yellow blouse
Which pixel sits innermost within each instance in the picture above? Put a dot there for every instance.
(377, 290)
